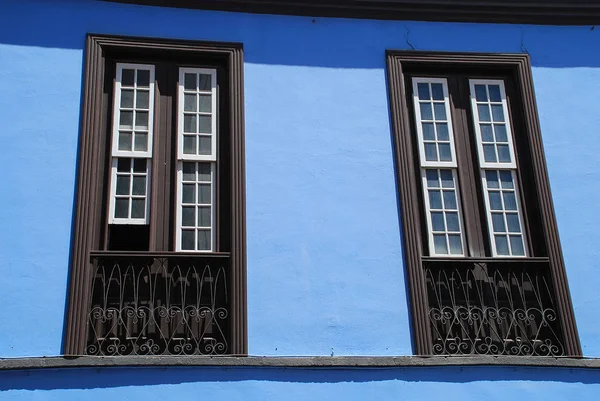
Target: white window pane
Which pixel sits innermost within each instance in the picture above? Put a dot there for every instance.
(492, 178)
(510, 201)
(190, 81)
(123, 165)
(497, 113)
(430, 152)
(439, 244)
(125, 119)
(437, 91)
(204, 194)
(495, 200)
(189, 102)
(450, 200)
(432, 178)
(139, 165)
(139, 185)
(501, 135)
(444, 150)
(447, 179)
(188, 195)
(494, 93)
(205, 124)
(516, 245)
(204, 216)
(501, 245)
(205, 145)
(142, 99)
(204, 240)
(189, 123)
(426, 112)
(204, 172)
(141, 120)
(512, 221)
(484, 112)
(498, 222)
(141, 141)
(487, 134)
(437, 221)
(205, 82)
(128, 77)
(188, 216)
(143, 78)
(489, 153)
(188, 240)
(127, 98)
(205, 103)
(503, 154)
(428, 131)
(122, 185)
(506, 179)
(455, 244)
(125, 139)
(189, 171)
(480, 93)
(442, 131)
(138, 208)
(452, 221)
(122, 208)
(423, 91)
(189, 144)
(440, 111)
(435, 199)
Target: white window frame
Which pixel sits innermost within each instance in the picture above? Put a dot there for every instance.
(488, 208)
(117, 108)
(475, 113)
(424, 162)
(113, 192)
(214, 114)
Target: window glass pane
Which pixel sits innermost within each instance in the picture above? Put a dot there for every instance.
(123, 164)
(205, 103)
(516, 245)
(512, 221)
(141, 120)
(426, 112)
(204, 216)
(139, 165)
(501, 245)
(189, 123)
(187, 240)
(439, 244)
(188, 216)
(125, 139)
(188, 194)
(495, 93)
(484, 112)
(455, 244)
(430, 152)
(498, 223)
(501, 135)
(205, 124)
(205, 145)
(491, 177)
(189, 82)
(122, 208)
(143, 78)
(428, 131)
(142, 100)
(423, 90)
(447, 179)
(189, 171)
(437, 91)
(435, 199)
(141, 141)
(122, 185)
(204, 193)
(503, 154)
(126, 119)
(189, 144)
(489, 153)
(138, 208)
(450, 200)
(506, 179)
(497, 113)
(437, 221)
(127, 98)
(480, 93)
(510, 202)
(127, 77)
(444, 149)
(139, 185)
(495, 200)
(440, 111)
(486, 133)
(432, 179)
(204, 240)
(442, 131)
(204, 172)
(205, 82)
(452, 221)
(189, 102)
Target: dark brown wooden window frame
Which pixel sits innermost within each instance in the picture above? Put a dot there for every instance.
(519, 67)
(88, 221)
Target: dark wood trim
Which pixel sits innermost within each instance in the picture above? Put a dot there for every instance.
(549, 12)
(519, 66)
(88, 209)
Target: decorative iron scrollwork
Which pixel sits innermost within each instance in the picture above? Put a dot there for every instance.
(492, 308)
(169, 305)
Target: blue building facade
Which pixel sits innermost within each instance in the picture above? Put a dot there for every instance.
(325, 254)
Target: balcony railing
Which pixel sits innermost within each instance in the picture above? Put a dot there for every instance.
(492, 307)
(158, 304)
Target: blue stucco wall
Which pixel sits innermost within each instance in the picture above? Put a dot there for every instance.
(325, 273)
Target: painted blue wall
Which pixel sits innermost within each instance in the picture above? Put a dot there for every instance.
(325, 272)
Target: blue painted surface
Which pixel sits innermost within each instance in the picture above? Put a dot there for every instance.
(325, 271)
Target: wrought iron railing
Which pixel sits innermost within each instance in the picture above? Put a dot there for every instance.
(158, 304)
(492, 307)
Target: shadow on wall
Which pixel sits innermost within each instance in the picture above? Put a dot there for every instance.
(47, 379)
(324, 42)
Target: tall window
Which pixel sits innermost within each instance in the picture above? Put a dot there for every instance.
(482, 252)
(159, 250)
